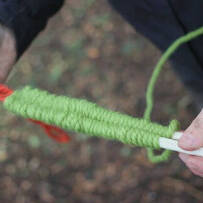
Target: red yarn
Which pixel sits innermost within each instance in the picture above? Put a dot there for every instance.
(4, 92)
(52, 131)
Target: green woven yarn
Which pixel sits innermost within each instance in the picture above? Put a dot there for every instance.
(85, 117)
(150, 90)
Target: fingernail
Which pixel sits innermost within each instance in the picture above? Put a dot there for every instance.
(187, 141)
(183, 157)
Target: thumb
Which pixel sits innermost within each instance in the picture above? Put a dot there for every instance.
(7, 53)
(192, 138)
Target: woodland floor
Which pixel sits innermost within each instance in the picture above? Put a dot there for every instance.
(88, 51)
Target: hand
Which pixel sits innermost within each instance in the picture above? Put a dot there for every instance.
(192, 139)
(7, 52)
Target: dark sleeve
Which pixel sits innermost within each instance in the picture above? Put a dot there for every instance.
(26, 18)
(162, 22)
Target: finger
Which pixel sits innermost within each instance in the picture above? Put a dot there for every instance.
(7, 54)
(193, 136)
(194, 163)
(197, 173)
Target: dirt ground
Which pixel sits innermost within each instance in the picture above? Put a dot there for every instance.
(88, 51)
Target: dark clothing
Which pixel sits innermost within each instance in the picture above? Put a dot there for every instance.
(161, 21)
(26, 18)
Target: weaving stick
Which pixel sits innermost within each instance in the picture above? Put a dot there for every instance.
(172, 144)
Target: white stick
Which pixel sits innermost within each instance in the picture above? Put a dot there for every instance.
(177, 135)
(172, 144)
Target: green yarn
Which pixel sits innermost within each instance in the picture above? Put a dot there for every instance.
(150, 90)
(81, 116)
(175, 45)
(85, 117)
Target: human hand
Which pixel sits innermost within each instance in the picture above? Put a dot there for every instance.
(192, 139)
(7, 52)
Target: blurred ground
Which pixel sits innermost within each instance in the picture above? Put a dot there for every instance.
(88, 51)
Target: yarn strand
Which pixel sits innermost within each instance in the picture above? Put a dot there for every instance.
(151, 86)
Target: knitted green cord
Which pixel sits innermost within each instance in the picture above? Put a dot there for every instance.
(85, 117)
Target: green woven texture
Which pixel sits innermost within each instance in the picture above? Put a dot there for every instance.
(85, 117)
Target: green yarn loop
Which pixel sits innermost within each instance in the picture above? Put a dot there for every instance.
(150, 90)
(81, 116)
